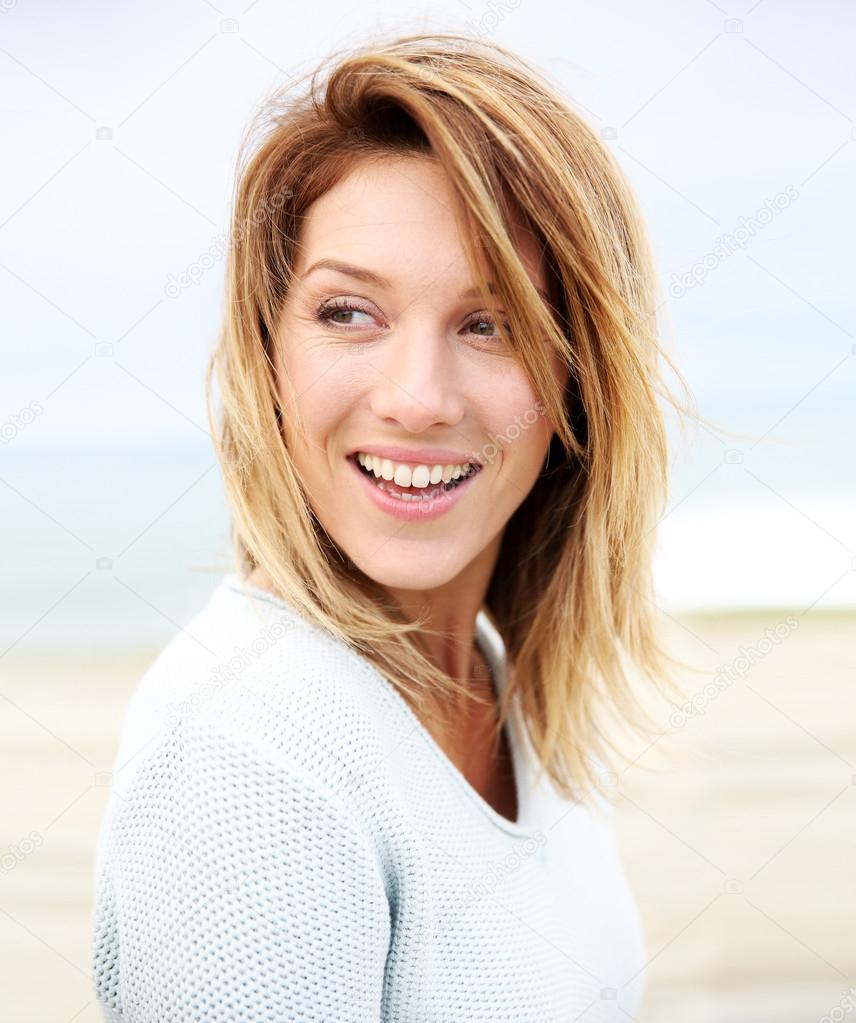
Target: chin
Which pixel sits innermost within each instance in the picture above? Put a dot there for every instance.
(409, 570)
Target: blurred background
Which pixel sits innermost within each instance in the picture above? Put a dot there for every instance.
(735, 123)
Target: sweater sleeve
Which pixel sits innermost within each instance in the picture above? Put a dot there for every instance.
(234, 887)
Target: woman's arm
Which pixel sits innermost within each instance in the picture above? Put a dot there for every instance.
(234, 887)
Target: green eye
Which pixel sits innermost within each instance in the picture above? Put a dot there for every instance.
(326, 311)
(485, 320)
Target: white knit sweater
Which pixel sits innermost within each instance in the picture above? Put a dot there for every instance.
(285, 841)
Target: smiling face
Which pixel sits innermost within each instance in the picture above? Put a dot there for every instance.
(402, 362)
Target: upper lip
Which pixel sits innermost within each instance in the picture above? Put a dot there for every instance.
(418, 456)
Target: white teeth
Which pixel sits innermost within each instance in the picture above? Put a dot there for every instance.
(405, 496)
(419, 476)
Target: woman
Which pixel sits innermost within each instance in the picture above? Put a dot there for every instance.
(365, 783)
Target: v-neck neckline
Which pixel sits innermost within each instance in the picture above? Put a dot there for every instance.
(492, 647)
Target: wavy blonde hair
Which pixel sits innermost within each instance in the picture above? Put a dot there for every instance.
(571, 594)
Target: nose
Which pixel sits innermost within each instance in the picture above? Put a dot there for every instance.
(416, 382)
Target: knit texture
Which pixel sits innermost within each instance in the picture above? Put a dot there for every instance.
(285, 841)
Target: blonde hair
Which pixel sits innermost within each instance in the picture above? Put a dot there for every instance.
(571, 594)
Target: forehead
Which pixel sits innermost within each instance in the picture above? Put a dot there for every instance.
(395, 215)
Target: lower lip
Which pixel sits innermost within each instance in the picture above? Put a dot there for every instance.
(413, 511)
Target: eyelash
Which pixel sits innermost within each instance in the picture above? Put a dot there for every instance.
(326, 309)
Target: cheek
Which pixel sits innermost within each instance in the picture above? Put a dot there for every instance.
(520, 423)
(319, 391)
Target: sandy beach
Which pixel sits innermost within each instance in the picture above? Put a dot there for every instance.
(736, 822)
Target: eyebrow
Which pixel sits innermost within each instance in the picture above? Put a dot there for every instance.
(371, 277)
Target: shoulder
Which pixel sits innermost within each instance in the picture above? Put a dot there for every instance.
(226, 865)
(258, 673)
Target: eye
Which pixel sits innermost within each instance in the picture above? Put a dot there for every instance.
(483, 320)
(349, 308)
(327, 310)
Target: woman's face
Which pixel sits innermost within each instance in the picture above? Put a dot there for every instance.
(399, 362)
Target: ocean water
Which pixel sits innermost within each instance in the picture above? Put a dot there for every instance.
(108, 548)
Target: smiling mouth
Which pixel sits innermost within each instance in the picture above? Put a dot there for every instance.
(414, 494)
